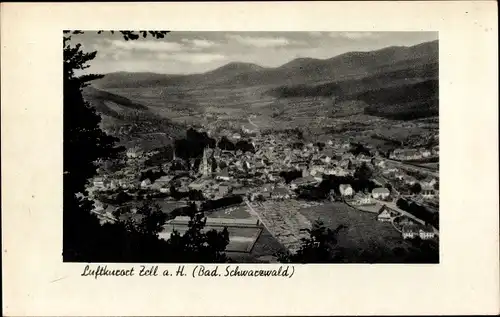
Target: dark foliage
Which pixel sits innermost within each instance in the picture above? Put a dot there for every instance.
(415, 188)
(165, 154)
(226, 144)
(193, 145)
(223, 202)
(244, 146)
(357, 148)
(319, 247)
(290, 175)
(419, 211)
(152, 174)
(363, 173)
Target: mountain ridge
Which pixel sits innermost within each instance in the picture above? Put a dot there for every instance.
(299, 70)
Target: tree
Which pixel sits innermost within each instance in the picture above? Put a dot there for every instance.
(198, 246)
(436, 186)
(320, 247)
(416, 188)
(389, 187)
(363, 172)
(153, 220)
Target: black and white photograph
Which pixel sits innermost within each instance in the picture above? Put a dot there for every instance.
(250, 147)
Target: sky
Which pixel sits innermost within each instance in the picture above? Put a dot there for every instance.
(197, 52)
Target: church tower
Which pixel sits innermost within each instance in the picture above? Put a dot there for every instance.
(205, 168)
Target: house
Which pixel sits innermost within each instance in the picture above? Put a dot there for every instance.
(348, 156)
(384, 215)
(145, 183)
(164, 190)
(164, 180)
(425, 153)
(240, 191)
(410, 180)
(360, 200)
(260, 165)
(223, 175)
(198, 184)
(410, 231)
(426, 233)
(344, 163)
(99, 183)
(280, 192)
(346, 190)
(428, 181)
(363, 158)
(133, 152)
(379, 181)
(435, 150)
(380, 193)
(405, 154)
(427, 192)
(400, 176)
(267, 187)
(303, 181)
(379, 162)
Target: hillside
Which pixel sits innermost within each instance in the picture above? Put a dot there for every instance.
(133, 123)
(405, 89)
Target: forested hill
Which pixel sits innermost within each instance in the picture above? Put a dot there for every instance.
(134, 123)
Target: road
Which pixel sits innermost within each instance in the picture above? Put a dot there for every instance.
(414, 167)
(252, 123)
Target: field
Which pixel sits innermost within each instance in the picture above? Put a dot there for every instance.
(365, 240)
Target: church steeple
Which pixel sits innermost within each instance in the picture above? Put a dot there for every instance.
(205, 168)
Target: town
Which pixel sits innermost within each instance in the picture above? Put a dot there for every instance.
(262, 184)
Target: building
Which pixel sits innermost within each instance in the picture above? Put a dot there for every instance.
(280, 193)
(205, 169)
(346, 190)
(428, 181)
(360, 200)
(410, 180)
(406, 154)
(223, 175)
(380, 193)
(426, 233)
(303, 181)
(134, 152)
(425, 153)
(164, 180)
(427, 192)
(384, 215)
(409, 232)
(363, 158)
(145, 183)
(99, 183)
(198, 184)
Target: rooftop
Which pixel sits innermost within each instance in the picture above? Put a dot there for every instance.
(380, 190)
